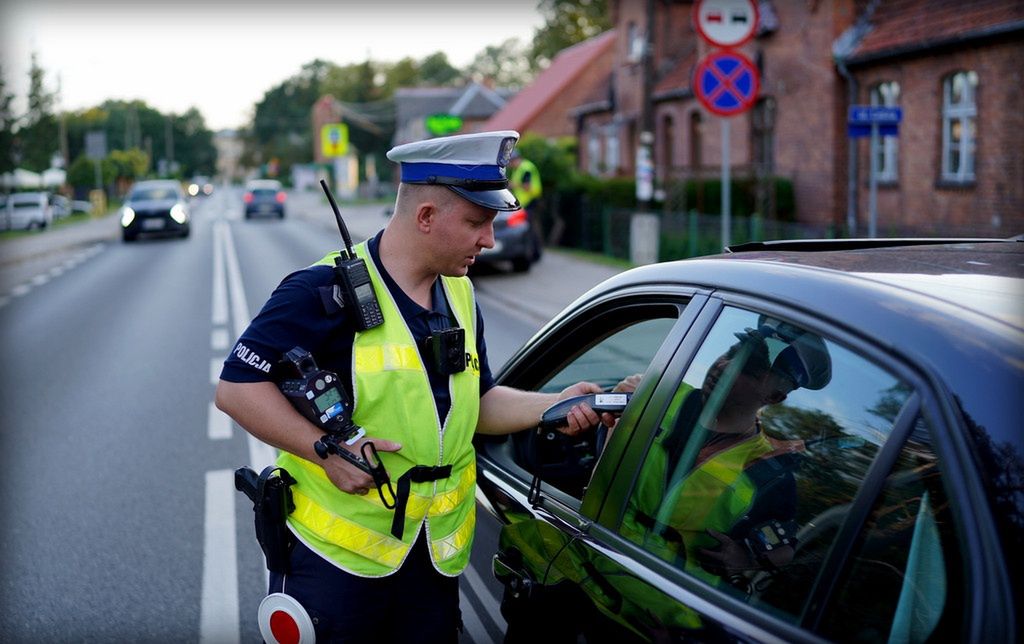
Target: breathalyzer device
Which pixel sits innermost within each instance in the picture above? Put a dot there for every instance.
(318, 395)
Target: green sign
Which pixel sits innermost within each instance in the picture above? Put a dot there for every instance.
(442, 124)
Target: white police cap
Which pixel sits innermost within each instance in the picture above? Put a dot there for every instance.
(472, 165)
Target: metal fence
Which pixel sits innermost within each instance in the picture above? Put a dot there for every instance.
(680, 234)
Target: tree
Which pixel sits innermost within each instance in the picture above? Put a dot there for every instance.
(7, 121)
(281, 122)
(507, 64)
(567, 22)
(38, 138)
(437, 71)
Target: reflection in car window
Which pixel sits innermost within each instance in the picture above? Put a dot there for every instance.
(758, 456)
(904, 580)
(614, 346)
(621, 354)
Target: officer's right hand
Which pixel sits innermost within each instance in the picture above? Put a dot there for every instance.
(349, 478)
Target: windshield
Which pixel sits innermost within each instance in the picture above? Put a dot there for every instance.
(147, 194)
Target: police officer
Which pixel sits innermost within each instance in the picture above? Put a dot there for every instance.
(525, 184)
(360, 573)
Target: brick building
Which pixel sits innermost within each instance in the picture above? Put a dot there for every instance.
(957, 166)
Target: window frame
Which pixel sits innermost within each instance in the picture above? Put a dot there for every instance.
(966, 114)
(888, 150)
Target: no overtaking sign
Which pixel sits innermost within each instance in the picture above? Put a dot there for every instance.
(725, 23)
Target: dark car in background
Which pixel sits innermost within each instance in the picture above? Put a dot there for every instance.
(157, 207)
(264, 198)
(824, 443)
(514, 241)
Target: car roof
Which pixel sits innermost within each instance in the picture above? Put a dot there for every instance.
(263, 183)
(26, 196)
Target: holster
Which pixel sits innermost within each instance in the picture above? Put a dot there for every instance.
(271, 498)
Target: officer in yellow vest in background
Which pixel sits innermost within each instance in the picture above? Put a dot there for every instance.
(525, 184)
(360, 571)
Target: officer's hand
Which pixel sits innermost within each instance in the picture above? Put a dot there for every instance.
(580, 417)
(347, 477)
(731, 556)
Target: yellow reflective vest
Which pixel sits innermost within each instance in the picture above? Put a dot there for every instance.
(393, 401)
(525, 194)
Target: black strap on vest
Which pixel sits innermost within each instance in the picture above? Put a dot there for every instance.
(415, 474)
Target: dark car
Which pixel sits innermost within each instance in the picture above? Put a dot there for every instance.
(514, 241)
(824, 442)
(264, 198)
(156, 207)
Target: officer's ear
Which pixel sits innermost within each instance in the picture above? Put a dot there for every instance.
(425, 215)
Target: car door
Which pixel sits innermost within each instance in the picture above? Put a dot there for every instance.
(546, 487)
(835, 521)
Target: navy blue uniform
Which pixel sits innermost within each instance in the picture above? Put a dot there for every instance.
(302, 312)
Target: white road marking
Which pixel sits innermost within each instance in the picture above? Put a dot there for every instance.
(220, 297)
(39, 280)
(215, 366)
(218, 424)
(483, 593)
(219, 614)
(219, 339)
(260, 454)
(20, 290)
(471, 624)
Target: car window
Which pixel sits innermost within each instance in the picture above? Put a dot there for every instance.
(903, 582)
(604, 350)
(144, 194)
(758, 457)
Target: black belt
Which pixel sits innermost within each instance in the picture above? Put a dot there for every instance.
(415, 474)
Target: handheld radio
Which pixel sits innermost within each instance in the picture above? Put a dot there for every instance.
(318, 395)
(352, 279)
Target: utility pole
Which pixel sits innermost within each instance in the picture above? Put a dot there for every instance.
(644, 227)
(169, 143)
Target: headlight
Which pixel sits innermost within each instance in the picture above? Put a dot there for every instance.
(193, 189)
(127, 217)
(178, 213)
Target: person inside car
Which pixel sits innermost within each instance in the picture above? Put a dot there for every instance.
(717, 494)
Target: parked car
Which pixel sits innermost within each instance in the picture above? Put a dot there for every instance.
(264, 197)
(823, 443)
(61, 206)
(156, 207)
(27, 210)
(514, 241)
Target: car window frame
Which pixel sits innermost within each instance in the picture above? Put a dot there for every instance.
(528, 366)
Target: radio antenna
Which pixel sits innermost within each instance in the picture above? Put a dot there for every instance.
(337, 215)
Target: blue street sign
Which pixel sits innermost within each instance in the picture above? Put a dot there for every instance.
(860, 118)
(868, 114)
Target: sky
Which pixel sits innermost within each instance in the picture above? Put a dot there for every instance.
(222, 56)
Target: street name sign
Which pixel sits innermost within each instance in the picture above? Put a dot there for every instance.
(726, 83)
(860, 118)
(725, 23)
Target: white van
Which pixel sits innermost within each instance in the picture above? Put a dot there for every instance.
(27, 210)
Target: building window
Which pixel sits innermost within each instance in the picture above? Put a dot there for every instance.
(886, 94)
(593, 153)
(611, 149)
(696, 141)
(959, 120)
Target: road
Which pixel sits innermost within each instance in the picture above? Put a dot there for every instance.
(121, 520)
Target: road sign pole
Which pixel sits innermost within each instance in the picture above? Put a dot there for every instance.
(873, 185)
(726, 214)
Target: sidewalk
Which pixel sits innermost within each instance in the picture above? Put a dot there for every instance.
(549, 286)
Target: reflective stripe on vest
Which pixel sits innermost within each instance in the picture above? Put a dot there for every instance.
(393, 401)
